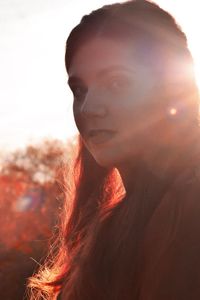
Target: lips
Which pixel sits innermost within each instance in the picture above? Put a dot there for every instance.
(99, 136)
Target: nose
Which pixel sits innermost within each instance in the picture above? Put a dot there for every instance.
(93, 104)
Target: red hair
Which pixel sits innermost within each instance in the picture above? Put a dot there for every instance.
(91, 193)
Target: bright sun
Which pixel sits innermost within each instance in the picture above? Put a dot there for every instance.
(35, 102)
(197, 70)
(186, 14)
(195, 50)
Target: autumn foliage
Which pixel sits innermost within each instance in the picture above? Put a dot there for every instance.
(31, 197)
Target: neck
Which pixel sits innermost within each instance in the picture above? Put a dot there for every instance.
(128, 172)
(165, 165)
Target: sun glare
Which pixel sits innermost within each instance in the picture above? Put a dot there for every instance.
(173, 111)
(197, 72)
(35, 102)
(194, 47)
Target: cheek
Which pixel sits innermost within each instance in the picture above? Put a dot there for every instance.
(132, 103)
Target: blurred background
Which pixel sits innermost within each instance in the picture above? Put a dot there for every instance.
(37, 131)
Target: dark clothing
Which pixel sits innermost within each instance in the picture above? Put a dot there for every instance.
(170, 262)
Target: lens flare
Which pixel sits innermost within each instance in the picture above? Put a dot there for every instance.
(172, 111)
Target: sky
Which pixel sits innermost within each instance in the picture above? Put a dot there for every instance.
(35, 101)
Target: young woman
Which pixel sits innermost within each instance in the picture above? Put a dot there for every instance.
(131, 231)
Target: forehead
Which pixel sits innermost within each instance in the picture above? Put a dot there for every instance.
(101, 53)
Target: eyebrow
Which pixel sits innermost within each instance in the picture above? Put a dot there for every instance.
(110, 69)
(101, 73)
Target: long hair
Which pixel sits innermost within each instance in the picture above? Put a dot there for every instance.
(88, 187)
(96, 253)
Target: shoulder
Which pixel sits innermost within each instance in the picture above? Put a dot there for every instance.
(172, 246)
(186, 194)
(176, 220)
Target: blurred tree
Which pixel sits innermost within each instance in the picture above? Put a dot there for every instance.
(38, 162)
(31, 196)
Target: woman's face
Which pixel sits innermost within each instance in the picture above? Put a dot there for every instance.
(113, 96)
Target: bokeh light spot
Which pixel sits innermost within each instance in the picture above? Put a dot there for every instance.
(173, 111)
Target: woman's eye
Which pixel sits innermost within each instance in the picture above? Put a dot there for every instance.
(79, 92)
(118, 83)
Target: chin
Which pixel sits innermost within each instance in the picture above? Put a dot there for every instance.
(111, 157)
(107, 161)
